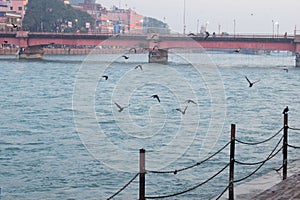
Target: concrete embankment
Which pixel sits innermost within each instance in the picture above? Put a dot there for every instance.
(83, 51)
(67, 51)
(270, 186)
(287, 189)
(8, 51)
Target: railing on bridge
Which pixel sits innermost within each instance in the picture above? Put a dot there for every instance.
(174, 34)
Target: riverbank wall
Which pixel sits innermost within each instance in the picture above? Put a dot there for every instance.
(67, 51)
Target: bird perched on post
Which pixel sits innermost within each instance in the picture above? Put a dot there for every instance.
(191, 34)
(206, 35)
(285, 110)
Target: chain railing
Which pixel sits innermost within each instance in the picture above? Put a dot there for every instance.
(232, 161)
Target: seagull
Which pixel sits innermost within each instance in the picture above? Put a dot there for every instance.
(132, 50)
(182, 112)
(286, 69)
(154, 35)
(285, 110)
(120, 107)
(190, 101)
(126, 57)
(251, 83)
(105, 77)
(207, 35)
(14, 25)
(139, 66)
(237, 50)
(156, 97)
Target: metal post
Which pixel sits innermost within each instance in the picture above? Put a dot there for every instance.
(231, 166)
(285, 143)
(142, 174)
(297, 59)
(184, 25)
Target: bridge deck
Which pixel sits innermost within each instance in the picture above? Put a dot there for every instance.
(265, 42)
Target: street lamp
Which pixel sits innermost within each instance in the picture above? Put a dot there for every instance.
(206, 24)
(184, 26)
(76, 24)
(197, 31)
(234, 24)
(273, 28)
(277, 25)
(19, 21)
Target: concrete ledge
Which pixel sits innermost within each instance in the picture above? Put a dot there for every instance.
(287, 189)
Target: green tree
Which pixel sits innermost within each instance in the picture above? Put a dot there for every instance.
(54, 15)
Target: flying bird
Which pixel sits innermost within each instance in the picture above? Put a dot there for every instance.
(251, 83)
(154, 35)
(190, 101)
(182, 111)
(139, 66)
(105, 77)
(120, 107)
(126, 57)
(156, 97)
(14, 25)
(285, 110)
(133, 50)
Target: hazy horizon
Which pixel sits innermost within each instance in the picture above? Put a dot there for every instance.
(243, 17)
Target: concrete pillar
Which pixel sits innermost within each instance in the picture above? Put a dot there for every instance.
(297, 59)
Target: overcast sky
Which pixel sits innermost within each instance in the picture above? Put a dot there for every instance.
(243, 16)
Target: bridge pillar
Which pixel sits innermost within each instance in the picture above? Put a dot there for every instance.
(297, 59)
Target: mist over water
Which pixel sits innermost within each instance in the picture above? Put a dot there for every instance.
(62, 136)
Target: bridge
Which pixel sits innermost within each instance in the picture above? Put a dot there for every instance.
(25, 39)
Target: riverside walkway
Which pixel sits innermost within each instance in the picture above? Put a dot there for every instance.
(271, 186)
(287, 189)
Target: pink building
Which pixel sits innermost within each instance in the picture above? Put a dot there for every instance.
(135, 21)
(18, 6)
(127, 20)
(11, 14)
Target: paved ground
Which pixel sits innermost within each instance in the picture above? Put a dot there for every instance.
(270, 186)
(287, 189)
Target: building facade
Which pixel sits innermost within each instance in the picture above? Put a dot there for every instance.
(121, 21)
(11, 14)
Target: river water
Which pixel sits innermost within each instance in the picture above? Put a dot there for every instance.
(62, 137)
